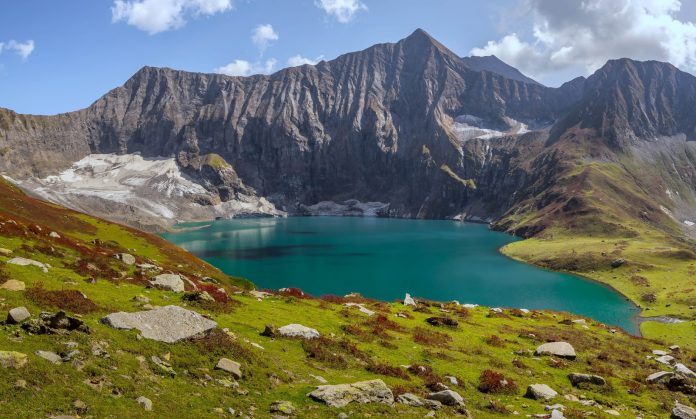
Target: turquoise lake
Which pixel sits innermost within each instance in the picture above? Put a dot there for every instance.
(386, 258)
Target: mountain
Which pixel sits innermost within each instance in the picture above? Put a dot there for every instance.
(496, 65)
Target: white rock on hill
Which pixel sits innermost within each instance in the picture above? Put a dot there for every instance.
(164, 324)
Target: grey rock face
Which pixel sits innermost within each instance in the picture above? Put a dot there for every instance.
(373, 391)
(410, 399)
(298, 331)
(659, 377)
(232, 367)
(28, 262)
(169, 282)
(559, 349)
(18, 315)
(49, 356)
(447, 397)
(577, 379)
(540, 392)
(681, 411)
(165, 324)
(126, 258)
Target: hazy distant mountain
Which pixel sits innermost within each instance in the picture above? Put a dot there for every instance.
(495, 65)
(409, 124)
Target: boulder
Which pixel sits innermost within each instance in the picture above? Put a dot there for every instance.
(50, 323)
(666, 360)
(577, 379)
(372, 391)
(659, 377)
(298, 331)
(283, 407)
(164, 324)
(49, 356)
(540, 392)
(145, 403)
(684, 370)
(54, 235)
(410, 399)
(682, 411)
(270, 331)
(168, 282)
(5, 252)
(442, 321)
(17, 315)
(659, 352)
(28, 262)
(232, 367)
(361, 307)
(13, 285)
(447, 397)
(126, 258)
(559, 349)
(617, 263)
(12, 359)
(408, 301)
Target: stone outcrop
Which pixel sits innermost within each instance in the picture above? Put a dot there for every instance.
(165, 324)
(340, 395)
(559, 349)
(298, 331)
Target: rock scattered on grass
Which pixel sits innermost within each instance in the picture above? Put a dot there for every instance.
(540, 392)
(13, 285)
(372, 391)
(50, 323)
(410, 399)
(145, 403)
(49, 356)
(684, 370)
(164, 324)
(28, 262)
(232, 367)
(298, 331)
(447, 397)
(12, 359)
(659, 377)
(666, 360)
(559, 349)
(5, 252)
(682, 411)
(126, 258)
(361, 307)
(442, 321)
(283, 407)
(18, 315)
(409, 301)
(168, 282)
(577, 379)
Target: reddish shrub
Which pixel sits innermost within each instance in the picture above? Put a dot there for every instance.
(495, 340)
(293, 292)
(430, 337)
(496, 383)
(335, 299)
(69, 300)
(388, 370)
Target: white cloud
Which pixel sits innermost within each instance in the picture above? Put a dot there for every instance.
(342, 10)
(263, 35)
(154, 16)
(298, 60)
(581, 35)
(23, 49)
(246, 68)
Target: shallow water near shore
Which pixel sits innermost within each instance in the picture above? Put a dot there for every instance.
(386, 258)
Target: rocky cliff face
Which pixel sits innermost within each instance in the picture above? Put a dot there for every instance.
(409, 123)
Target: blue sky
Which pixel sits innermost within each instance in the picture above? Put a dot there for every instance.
(83, 48)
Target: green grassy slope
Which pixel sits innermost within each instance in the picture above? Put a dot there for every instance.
(86, 281)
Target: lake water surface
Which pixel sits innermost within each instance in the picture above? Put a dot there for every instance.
(386, 258)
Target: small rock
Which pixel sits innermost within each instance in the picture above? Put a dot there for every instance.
(580, 321)
(163, 366)
(17, 315)
(232, 367)
(666, 359)
(674, 348)
(415, 401)
(168, 282)
(282, 406)
(80, 406)
(442, 321)
(50, 323)
(452, 380)
(141, 299)
(617, 263)
(659, 352)
(559, 349)
(683, 370)
(577, 379)
(659, 377)
(12, 359)
(298, 331)
(13, 285)
(145, 403)
(126, 258)
(54, 235)
(540, 392)
(49, 356)
(361, 307)
(372, 391)
(28, 262)
(20, 384)
(5, 252)
(447, 397)
(409, 301)
(270, 331)
(681, 411)
(612, 412)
